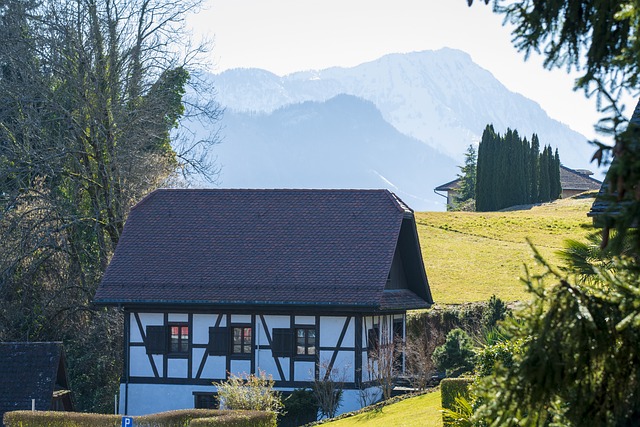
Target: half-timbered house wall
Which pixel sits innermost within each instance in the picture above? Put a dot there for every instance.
(172, 358)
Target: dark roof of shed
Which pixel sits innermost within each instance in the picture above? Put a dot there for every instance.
(260, 247)
(28, 371)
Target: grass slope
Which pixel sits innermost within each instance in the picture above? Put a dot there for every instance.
(420, 411)
(470, 256)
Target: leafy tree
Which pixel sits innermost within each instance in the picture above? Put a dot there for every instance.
(91, 95)
(467, 189)
(456, 355)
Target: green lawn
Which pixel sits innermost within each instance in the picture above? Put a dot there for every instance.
(420, 411)
(470, 256)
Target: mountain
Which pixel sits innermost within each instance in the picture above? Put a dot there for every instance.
(343, 142)
(441, 98)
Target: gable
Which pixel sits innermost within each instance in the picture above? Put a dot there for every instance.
(257, 247)
(30, 371)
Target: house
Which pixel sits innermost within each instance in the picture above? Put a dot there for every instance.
(295, 283)
(33, 373)
(572, 181)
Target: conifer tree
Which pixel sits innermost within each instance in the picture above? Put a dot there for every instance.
(534, 167)
(467, 189)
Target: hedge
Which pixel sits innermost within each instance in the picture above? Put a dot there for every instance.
(452, 388)
(59, 419)
(179, 418)
(238, 419)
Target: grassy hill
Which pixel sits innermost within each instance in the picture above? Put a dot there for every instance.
(419, 411)
(469, 256)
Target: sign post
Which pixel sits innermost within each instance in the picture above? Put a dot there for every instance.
(127, 421)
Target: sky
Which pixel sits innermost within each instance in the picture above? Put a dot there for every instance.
(284, 36)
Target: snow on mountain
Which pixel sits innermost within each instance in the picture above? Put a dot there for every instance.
(441, 98)
(343, 142)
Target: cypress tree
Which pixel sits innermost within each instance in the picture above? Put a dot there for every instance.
(534, 167)
(557, 185)
(544, 186)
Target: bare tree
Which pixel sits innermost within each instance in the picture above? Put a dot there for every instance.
(384, 358)
(328, 388)
(91, 96)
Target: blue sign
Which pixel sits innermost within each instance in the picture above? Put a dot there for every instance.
(127, 421)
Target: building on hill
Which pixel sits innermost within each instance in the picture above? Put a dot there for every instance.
(294, 283)
(572, 181)
(33, 371)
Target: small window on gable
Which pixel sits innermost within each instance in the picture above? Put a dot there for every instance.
(156, 339)
(305, 341)
(178, 339)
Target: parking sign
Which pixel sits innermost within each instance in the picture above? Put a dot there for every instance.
(127, 422)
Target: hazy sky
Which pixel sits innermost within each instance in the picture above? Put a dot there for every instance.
(284, 36)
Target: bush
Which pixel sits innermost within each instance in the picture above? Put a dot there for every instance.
(456, 355)
(452, 389)
(59, 419)
(238, 419)
(300, 407)
(249, 392)
(179, 418)
(499, 353)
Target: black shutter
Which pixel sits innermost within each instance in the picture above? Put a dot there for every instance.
(218, 342)
(282, 344)
(373, 337)
(156, 339)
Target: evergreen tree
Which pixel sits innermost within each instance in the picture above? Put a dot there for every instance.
(556, 190)
(510, 172)
(467, 189)
(544, 184)
(534, 167)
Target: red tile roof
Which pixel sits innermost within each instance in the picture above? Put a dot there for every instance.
(273, 247)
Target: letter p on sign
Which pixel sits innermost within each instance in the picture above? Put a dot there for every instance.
(127, 422)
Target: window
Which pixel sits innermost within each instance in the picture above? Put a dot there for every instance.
(305, 341)
(206, 400)
(241, 340)
(178, 338)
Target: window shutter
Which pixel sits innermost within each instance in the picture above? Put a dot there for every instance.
(156, 339)
(373, 337)
(282, 344)
(218, 342)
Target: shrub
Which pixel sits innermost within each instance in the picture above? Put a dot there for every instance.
(454, 391)
(59, 419)
(496, 311)
(179, 418)
(300, 408)
(238, 419)
(249, 392)
(456, 355)
(499, 353)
